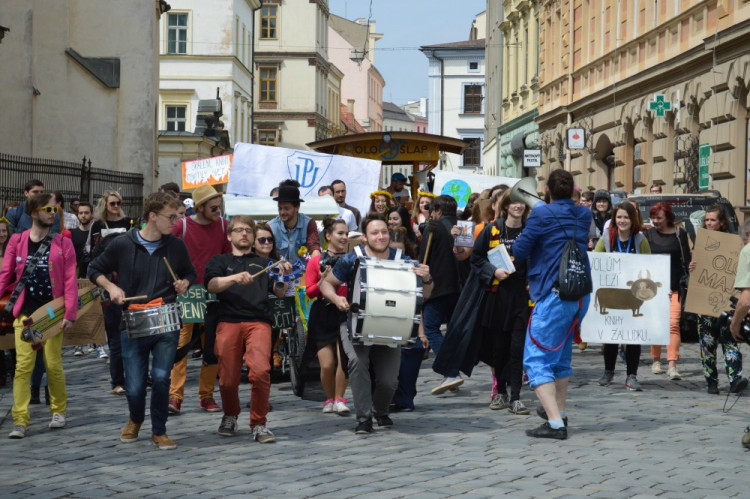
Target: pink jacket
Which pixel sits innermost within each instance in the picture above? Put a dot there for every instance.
(62, 271)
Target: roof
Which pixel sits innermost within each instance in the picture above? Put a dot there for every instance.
(352, 32)
(350, 124)
(393, 112)
(464, 45)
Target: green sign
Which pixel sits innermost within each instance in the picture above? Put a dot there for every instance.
(282, 312)
(193, 303)
(704, 153)
(660, 105)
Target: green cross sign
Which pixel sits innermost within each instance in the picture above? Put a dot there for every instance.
(660, 105)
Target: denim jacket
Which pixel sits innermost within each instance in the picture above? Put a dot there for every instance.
(288, 242)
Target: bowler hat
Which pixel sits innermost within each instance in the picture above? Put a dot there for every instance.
(288, 194)
(204, 193)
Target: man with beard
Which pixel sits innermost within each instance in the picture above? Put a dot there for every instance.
(292, 229)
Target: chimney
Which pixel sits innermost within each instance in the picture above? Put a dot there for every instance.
(350, 107)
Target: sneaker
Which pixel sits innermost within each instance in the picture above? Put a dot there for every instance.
(606, 378)
(210, 405)
(328, 406)
(101, 353)
(340, 407)
(58, 421)
(263, 435)
(656, 367)
(384, 421)
(543, 414)
(546, 431)
(19, 431)
(363, 427)
(130, 432)
(163, 442)
(738, 385)
(501, 401)
(91, 349)
(118, 390)
(174, 406)
(78, 351)
(448, 384)
(228, 426)
(517, 407)
(745, 438)
(673, 374)
(632, 384)
(713, 386)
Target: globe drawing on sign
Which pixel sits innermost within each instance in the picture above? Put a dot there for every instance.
(459, 190)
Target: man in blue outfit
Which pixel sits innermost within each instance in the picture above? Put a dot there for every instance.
(549, 336)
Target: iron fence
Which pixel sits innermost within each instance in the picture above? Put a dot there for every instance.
(73, 180)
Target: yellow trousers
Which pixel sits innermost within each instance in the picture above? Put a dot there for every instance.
(207, 381)
(25, 359)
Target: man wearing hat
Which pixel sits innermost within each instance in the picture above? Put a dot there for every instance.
(397, 188)
(205, 236)
(292, 229)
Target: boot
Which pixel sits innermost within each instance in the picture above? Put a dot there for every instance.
(713, 386)
(35, 395)
(46, 395)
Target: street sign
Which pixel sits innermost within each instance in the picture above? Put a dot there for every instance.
(576, 138)
(704, 153)
(532, 158)
(660, 105)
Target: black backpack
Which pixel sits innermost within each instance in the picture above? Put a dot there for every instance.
(573, 279)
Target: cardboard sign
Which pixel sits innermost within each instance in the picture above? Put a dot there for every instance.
(206, 171)
(87, 329)
(193, 303)
(630, 300)
(712, 282)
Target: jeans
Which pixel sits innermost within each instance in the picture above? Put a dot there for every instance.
(135, 356)
(112, 317)
(411, 361)
(436, 312)
(38, 373)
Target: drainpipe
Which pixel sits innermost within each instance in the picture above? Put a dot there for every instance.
(442, 96)
(252, 71)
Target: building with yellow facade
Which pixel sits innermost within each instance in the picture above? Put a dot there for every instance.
(658, 87)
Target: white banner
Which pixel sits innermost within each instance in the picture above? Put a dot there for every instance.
(461, 185)
(257, 169)
(630, 301)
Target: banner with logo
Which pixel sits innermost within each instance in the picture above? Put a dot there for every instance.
(257, 169)
(630, 300)
(461, 185)
(206, 171)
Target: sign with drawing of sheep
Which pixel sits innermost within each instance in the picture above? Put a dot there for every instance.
(630, 300)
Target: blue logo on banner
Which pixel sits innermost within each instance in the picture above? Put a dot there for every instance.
(307, 169)
(389, 150)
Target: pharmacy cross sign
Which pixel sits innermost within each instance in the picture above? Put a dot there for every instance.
(660, 105)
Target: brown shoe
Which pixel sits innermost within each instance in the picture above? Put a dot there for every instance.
(162, 442)
(130, 433)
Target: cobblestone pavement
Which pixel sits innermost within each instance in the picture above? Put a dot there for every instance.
(671, 440)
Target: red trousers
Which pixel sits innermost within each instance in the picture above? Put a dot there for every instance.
(251, 341)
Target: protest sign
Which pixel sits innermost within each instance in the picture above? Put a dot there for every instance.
(206, 171)
(87, 329)
(193, 303)
(630, 300)
(712, 281)
(461, 185)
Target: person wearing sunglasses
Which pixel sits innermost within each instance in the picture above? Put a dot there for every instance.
(138, 259)
(52, 274)
(205, 235)
(18, 217)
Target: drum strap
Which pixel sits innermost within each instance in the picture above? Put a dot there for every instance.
(398, 254)
(358, 251)
(43, 247)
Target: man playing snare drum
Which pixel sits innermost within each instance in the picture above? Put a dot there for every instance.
(244, 329)
(138, 258)
(385, 359)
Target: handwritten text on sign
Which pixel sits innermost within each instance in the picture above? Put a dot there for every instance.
(206, 171)
(630, 300)
(193, 303)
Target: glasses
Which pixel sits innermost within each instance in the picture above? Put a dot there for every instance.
(172, 218)
(49, 209)
(115, 203)
(240, 230)
(265, 240)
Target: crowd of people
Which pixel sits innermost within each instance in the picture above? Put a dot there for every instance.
(471, 310)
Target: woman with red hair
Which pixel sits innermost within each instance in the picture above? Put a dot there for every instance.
(665, 238)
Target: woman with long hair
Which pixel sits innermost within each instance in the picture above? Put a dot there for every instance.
(665, 238)
(325, 319)
(421, 213)
(381, 203)
(400, 240)
(711, 332)
(400, 218)
(623, 236)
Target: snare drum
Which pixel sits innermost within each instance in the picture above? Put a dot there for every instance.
(385, 302)
(151, 321)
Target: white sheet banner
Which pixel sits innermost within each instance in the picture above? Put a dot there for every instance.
(462, 185)
(257, 169)
(630, 301)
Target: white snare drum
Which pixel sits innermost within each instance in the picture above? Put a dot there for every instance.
(151, 321)
(384, 302)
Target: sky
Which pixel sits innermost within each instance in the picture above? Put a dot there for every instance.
(406, 25)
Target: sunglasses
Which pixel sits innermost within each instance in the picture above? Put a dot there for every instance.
(49, 209)
(265, 240)
(115, 203)
(172, 218)
(240, 230)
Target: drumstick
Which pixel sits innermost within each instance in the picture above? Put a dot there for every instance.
(142, 297)
(267, 268)
(169, 268)
(427, 249)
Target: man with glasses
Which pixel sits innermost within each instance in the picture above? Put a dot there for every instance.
(138, 258)
(19, 219)
(244, 329)
(339, 195)
(205, 236)
(43, 265)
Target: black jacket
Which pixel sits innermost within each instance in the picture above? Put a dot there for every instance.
(139, 273)
(443, 263)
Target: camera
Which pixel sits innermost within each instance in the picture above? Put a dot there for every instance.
(725, 319)
(327, 260)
